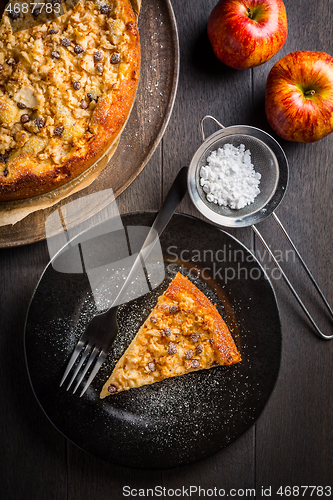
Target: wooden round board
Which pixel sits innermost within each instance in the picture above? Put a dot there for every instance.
(148, 120)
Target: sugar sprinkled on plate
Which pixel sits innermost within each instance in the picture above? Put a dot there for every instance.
(229, 178)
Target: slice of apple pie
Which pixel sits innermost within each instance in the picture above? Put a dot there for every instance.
(183, 333)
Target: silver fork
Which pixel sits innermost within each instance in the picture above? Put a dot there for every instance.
(96, 341)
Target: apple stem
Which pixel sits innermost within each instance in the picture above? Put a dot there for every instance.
(249, 12)
(310, 92)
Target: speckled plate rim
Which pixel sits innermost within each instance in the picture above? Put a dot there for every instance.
(253, 423)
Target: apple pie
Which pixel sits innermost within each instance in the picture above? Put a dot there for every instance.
(66, 90)
(183, 333)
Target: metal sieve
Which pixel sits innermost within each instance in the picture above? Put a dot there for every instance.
(270, 161)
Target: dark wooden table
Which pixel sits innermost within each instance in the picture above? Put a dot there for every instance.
(292, 443)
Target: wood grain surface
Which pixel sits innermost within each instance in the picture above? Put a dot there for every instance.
(292, 443)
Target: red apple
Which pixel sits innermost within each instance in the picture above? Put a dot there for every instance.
(246, 33)
(299, 96)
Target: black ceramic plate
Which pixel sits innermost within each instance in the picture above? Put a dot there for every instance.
(182, 419)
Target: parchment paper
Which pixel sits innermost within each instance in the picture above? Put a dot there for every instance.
(14, 211)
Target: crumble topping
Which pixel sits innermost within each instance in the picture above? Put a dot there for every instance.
(52, 76)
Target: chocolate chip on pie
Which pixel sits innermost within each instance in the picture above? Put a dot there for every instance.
(76, 85)
(112, 389)
(78, 49)
(115, 59)
(58, 130)
(65, 42)
(172, 349)
(40, 122)
(195, 337)
(199, 349)
(25, 118)
(188, 354)
(98, 56)
(105, 9)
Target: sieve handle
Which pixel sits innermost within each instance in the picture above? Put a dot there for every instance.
(201, 125)
(268, 250)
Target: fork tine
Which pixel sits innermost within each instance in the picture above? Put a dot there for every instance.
(85, 353)
(97, 366)
(72, 360)
(88, 365)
